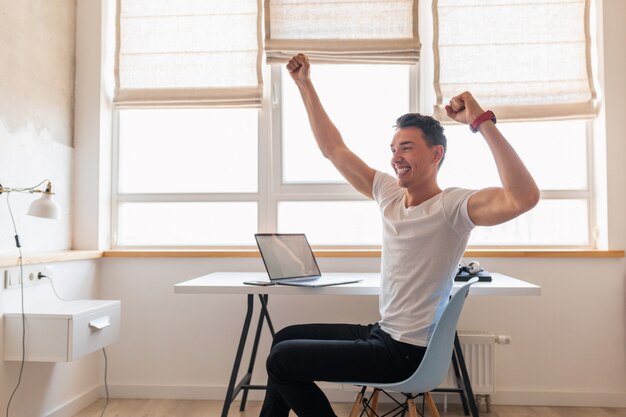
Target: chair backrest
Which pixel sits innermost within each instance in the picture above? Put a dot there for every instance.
(436, 362)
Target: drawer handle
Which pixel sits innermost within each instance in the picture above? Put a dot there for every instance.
(100, 323)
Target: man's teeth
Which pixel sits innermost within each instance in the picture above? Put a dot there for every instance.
(402, 170)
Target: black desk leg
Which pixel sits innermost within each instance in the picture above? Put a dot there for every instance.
(460, 383)
(233, 390)
(467, 385)
(242, 342)
(247, 379)
(266, 313)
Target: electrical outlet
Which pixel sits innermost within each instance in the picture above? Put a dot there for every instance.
(12, 277)
(31, 278)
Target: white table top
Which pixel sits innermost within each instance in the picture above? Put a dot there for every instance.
(232, 283)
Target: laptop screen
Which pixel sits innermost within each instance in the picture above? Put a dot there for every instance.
(287, 255)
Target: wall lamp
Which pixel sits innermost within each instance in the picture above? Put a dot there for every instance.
(42, 207)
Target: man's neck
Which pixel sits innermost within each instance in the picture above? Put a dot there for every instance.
(415, 197)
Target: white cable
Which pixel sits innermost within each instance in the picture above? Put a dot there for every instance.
(40, 276)
(106, 360)
(106, 385)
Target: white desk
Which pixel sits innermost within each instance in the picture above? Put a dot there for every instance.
(233, 283)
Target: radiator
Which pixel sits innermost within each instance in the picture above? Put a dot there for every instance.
(479, 353)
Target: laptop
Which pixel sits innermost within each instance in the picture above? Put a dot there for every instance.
(289, 260)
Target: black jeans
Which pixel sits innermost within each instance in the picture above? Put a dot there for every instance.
(302, 354)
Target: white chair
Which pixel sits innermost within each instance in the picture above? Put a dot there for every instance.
(431, 371)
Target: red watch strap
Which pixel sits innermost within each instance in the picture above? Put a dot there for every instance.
(488, 115)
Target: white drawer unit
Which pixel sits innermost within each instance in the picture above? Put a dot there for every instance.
(62, 332)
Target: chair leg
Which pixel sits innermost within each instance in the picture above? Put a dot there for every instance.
(358, 403)
(411, 406)
(373, 403)
(432, 408)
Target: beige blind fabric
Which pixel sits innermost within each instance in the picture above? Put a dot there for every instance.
(357, 31)
(188, 53)
(521, 59)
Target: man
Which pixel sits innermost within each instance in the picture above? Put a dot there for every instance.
(425, 231)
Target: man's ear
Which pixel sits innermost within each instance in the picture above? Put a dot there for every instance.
(437, 153)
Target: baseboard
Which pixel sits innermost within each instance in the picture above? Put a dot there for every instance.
(73, 406)
(172, 392)
(563, 399)
(339, 393)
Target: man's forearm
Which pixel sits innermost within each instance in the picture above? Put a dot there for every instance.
(326, 133)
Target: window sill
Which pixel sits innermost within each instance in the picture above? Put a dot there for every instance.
(50, 257)
(366, 253)
(77, 255)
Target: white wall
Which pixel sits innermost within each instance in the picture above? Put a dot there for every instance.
(37, 40)
(36, 115)
(567, 345)
(27, 157)
(613, 68)
(37, 66)
(95, 43)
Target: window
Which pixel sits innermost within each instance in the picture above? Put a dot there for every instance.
(310, 196)
(371, 99)
(212, 178)
(557, 155)
(187, 177)
(206, 158)
(206, 177)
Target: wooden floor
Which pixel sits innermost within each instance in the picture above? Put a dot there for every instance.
(188, 408)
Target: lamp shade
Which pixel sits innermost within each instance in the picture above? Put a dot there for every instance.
(44, 207)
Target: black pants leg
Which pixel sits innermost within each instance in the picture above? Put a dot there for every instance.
(303, 354)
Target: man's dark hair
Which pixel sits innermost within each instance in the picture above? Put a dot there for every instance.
(433, 131)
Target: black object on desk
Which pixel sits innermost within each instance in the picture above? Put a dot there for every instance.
(483, 276)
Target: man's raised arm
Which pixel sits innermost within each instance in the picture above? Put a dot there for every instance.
(328, 138)
(518, 193)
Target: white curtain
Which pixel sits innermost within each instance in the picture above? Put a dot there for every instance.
(358, 31)
(522, 59)
(188, 53)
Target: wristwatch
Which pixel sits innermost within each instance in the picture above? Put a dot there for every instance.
(488, 115)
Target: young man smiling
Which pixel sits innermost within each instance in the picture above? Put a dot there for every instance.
(425, 231)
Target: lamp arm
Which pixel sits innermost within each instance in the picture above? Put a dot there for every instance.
(31, 190)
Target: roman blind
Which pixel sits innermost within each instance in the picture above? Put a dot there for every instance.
(522, 59)
(358, 31)
(188, 53)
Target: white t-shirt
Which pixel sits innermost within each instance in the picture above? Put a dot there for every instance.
(422, 247)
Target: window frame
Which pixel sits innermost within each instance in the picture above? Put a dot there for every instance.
(117, 198)
(271, 190)
(588, 194)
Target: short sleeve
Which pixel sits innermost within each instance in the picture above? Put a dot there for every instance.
(455, 202)
(384, 187)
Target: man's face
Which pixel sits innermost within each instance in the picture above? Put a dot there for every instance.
(413, 160)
